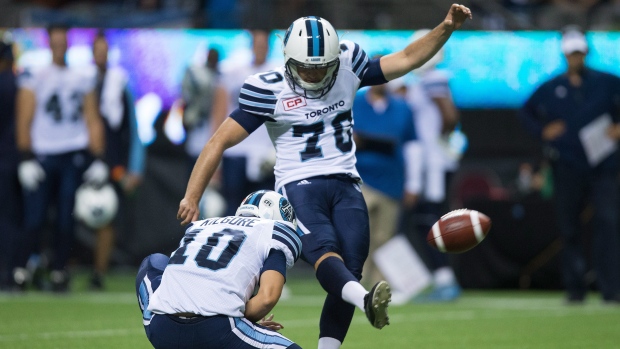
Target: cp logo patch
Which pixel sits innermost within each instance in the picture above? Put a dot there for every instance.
(294, 103)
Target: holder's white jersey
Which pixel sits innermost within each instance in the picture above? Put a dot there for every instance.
(312, 137)
(58, 125)
(218, 264)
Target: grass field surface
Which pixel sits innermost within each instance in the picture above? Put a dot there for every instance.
(479, 319)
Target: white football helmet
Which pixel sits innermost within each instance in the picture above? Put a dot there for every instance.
(311, 43)
(95, 205)
(267, 204)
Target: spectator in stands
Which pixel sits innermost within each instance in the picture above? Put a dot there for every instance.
(248, 166)
(577, 116)
(436, 118)
(384, 133)
(60, 138)
(9, 187)
(124, 152)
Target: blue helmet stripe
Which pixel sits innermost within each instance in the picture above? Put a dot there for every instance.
(255, 199)
(310, 37)
(316, 45)
(321, 37)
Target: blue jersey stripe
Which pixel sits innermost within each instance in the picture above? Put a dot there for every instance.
(248, 97)
(266, 97)
(245, 104)
(355, 55)
(266, 93)
(359, 68)
(261, 337)
(294, 233)
(287, 242)
(255, 104)
(286, 238)
(288, 232)
(255, 109)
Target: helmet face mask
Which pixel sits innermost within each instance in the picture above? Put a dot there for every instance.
(267, 204)
(311, 90)
(311, 43)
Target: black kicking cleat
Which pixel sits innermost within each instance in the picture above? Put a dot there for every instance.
(376, 304)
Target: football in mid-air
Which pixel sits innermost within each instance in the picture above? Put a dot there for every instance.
(459, 230)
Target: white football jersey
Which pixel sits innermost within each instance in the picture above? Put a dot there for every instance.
(428, 123)
(218, 264)
(58, 125)
(312, 136)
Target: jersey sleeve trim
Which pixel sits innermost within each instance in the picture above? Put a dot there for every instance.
(257, 100)
(288, 237)
(250, 122)
(275, 261)
(373, 75)
(359, 61)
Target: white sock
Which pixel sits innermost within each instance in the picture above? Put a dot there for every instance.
(329, 343)
(444, 276)
(353, 292)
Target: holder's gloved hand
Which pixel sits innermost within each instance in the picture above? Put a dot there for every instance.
(97, 173)
(30, 174)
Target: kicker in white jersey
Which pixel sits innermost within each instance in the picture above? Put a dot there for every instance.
(218, 264)
(312, 136)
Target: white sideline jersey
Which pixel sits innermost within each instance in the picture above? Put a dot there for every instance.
(428, 122)
(218, 263)
(312, 137)
(427, 116)
(58, 125)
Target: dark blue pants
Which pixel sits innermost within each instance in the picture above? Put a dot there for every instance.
(210, 332)
(573, 189)
(10, 220)
(63, 175)
(332, 214)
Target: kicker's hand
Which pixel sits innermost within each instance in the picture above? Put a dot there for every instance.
(188, 211)
(457, 15)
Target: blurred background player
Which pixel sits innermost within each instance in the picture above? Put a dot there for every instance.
(10, 205)
(247, 166)
(208, 302)
(584, 165)
(124, 152)
(384, 132)
(435, 118)
(308, 105)
(60, 138)
(202, 94)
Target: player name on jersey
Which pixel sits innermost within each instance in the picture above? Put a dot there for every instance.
(233, 220)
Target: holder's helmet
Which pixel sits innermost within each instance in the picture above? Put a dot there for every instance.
(311, 43)
(269, 205)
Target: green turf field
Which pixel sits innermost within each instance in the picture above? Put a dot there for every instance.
(478, 320)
